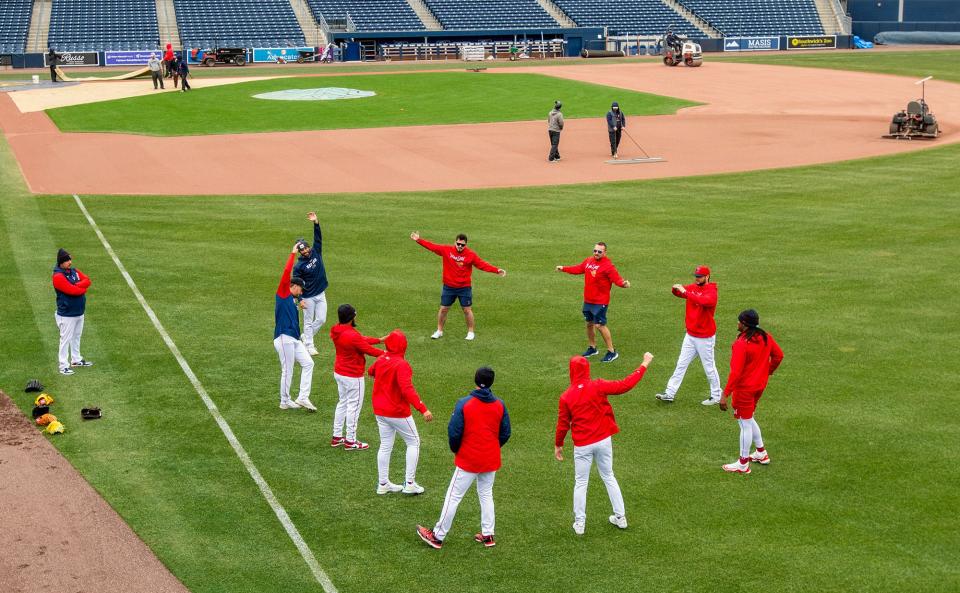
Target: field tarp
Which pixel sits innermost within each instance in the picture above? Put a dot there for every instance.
(917, 38)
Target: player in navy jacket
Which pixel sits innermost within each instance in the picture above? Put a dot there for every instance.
(71, 286)
(479, 427)
(310, 267)
(286, 339)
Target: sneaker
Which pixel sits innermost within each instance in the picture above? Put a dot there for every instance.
(82, 363)
(470, 336)
(336, 441)
(619, 520)
(486, 540)
(388, 488)
(428, 538)
(579, 526)
(289, 405)
(312, 350)
(664, 397)
(355, 446)
(436, 335)
(611, 356)
(590, 351)
(616, 156)
(760, 457)
(737, 467)
(66, 371)
(304, 402)
(711, 401)
(412, 488)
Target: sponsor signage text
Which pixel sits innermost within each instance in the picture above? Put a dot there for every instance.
(130, 58)
(751, 43)
(278, 54)
(812, 42)
(74, 58)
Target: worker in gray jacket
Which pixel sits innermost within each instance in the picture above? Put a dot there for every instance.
(554, 127)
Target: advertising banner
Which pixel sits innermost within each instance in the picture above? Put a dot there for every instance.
(75, 58)
(278, 55)
(751, 43)
(812, 42)
(130, 58)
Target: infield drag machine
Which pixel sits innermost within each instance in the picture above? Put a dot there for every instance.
(678, 49)
(916, 121)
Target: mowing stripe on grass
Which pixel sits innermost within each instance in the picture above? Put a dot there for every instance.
(265, 489)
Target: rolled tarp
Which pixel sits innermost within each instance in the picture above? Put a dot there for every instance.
(917, 38)
(601, 53)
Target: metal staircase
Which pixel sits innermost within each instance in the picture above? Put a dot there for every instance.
(557, 13)
(426, 15)
(39, 31)
(167, 25)
(708, 29)
(312, 31)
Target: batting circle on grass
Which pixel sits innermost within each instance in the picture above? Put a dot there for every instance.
(321, 94)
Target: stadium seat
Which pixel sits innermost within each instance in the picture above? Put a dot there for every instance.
(491, 14)
(628, 17)
(100, 25)
(370, 15)
(759, 17)
(238, 23)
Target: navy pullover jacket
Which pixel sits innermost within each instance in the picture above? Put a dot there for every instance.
(311, 268)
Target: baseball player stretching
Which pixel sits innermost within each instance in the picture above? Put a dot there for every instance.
(286, 339)
(479, 427)
(599, 274)
(393, 394)
(755, 357)
(458, 263)
(585, 410)
(701, 335)
(70, 285)
(348, 369)
(310, 268)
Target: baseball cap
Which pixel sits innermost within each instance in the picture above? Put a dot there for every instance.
(749, 317)
(484, 377)
(701, 271)
(297, 280)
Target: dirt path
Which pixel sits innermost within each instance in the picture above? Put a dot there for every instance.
(756, 117)
(56, 532)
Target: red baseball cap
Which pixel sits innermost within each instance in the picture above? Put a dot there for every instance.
(701, 271)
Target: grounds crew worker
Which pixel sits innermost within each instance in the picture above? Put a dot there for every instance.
(554, 127)
(615, 124)
(52, 60)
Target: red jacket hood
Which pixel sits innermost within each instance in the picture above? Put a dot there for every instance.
(169, 46)
(579, 370)
(338, 329)
(396, 343)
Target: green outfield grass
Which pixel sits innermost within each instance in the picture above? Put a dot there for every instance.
(941, 64)
(851, 268)
(401, 100)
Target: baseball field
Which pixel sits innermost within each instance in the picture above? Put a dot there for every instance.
(850, 264)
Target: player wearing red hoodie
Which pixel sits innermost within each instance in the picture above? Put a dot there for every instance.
(458, 264)
(599, 274)
(701, 336)
(585, 410)
(756, 355)
(393, 394)
(70, 286)
(348, 367)
(479, 427)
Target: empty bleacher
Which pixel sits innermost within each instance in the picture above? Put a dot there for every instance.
(491, 14)
(369, 15)
(14, 24)
(97, 25)
(238, 23)
(759, 17)
(628, 17)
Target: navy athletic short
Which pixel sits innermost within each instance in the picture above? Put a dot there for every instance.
(449, 295)
(596, 314)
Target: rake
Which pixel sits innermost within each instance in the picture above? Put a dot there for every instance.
(646, 157)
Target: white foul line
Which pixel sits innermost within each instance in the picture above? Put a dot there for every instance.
(271, 499)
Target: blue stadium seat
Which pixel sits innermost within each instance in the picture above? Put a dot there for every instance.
(759, 17)
(370, 15)
(238, 23)
(491, 14)
(14, 25)
(99, 25)
(628, 17)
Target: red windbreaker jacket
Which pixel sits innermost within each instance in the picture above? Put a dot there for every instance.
(393, 391)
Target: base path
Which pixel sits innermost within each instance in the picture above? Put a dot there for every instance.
(58, 534)
(754, 117)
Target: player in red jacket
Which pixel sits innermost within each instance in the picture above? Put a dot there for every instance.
(348, 368)
(585, 410)
(701, 336)
(70, 286)
(479, 427)
(393, 394)
(458, 264)
(599, 274)
(756, 356)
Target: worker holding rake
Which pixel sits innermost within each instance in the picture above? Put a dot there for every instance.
(615, 124)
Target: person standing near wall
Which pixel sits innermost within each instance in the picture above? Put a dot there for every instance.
(52, 61)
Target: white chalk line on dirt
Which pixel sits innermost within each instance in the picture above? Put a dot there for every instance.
(265, 489)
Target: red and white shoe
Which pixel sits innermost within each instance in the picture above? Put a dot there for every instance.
(486, 540)
(355, 446)
(336, 441)
(737, 467)
(428, 537)
(760, 457)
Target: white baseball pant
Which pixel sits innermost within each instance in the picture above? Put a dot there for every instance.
(71, 328)
(692, 348)
(389, 427)
(314, 316)
(459, 485)
(749, 432)
(347, 413)
(291, 350)
(583, 458)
